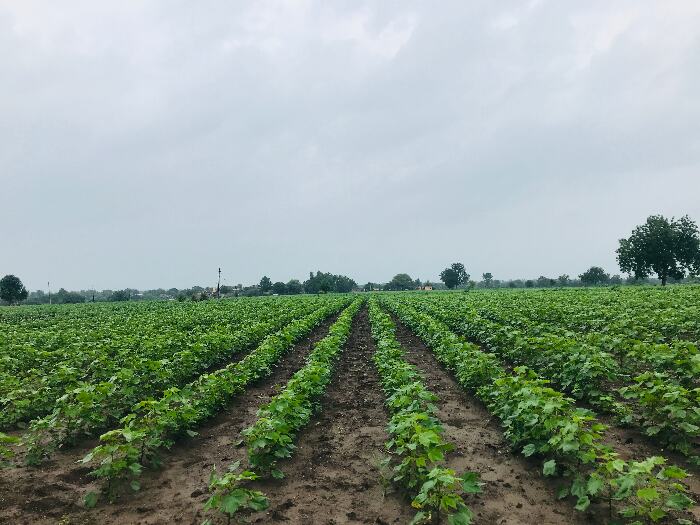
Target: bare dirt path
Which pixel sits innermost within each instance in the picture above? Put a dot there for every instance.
(175, 493)
(334, 477)
(515, 492)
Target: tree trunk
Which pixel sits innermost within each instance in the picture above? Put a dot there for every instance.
(663, 279)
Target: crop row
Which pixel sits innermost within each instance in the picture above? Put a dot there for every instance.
(647, 314)
(635, 352)
(154, 424)
(538, 420)
(143, 354)
(271, 437)
(654, 401)
(74, 336)
(417, 444)
(92, 407)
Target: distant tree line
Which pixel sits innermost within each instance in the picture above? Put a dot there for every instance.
(12, 291)
(669, 249)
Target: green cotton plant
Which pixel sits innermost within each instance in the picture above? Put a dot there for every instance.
(5, 451)
(650, 490)
(417, 447)
(584, 366)
(271, 437)
(543, 422)
(154, 424)
(118, 458)
(124, 451)
(439, 494)
(230, 497)
(89, 407)
(666, 410)
(157, 341)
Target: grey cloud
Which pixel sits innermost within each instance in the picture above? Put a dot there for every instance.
(145, 144)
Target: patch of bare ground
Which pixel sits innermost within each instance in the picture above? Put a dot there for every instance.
(173, 494)
(334, 476)
(515, 491)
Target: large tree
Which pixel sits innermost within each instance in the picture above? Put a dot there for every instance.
(265, 284)
(279, 288)
(665, 247)
(454, 275)
(401, 281)
(294, 287)
(12, 290)
(328, 282)
(593, 276)
(120, 295)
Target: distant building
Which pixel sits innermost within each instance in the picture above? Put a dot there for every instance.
(426, 287)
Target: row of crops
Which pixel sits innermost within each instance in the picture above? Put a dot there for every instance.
(644, 383)
(156, 356)
(530, 388)
(550, 366)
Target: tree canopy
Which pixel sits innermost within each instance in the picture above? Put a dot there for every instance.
(265, 284)
(294, 287)
(328, 282)
(454, 275)
(665, 247)
(595, 275)
(120, 295)
(401, 281)
(12, 291)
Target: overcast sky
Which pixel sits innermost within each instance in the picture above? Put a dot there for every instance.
(146, 143)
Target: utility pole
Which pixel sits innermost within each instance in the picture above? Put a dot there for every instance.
(48, 284)
(218, 286)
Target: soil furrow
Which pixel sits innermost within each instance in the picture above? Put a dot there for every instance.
(515, 492)
(334, 476)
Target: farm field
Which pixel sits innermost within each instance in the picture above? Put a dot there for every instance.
(551, 406)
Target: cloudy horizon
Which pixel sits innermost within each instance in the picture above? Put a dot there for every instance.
(147, 144)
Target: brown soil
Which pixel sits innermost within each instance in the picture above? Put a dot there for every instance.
(334, 476)
(515, 492)
(175, 493)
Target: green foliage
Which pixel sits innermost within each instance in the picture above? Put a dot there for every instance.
(294, 287)
(5, 451)
(595, 275)
(401, 281)
(328, 282)
(454, 275)
(120, 295)
(667, 410)
(271, 437)
(12, 291)
(665, 247)
(230, 496)
(154, 424)
(279, 288)
(63, 296)
(265, 284)
(539, 421)
(416, 442)
(169, 359)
